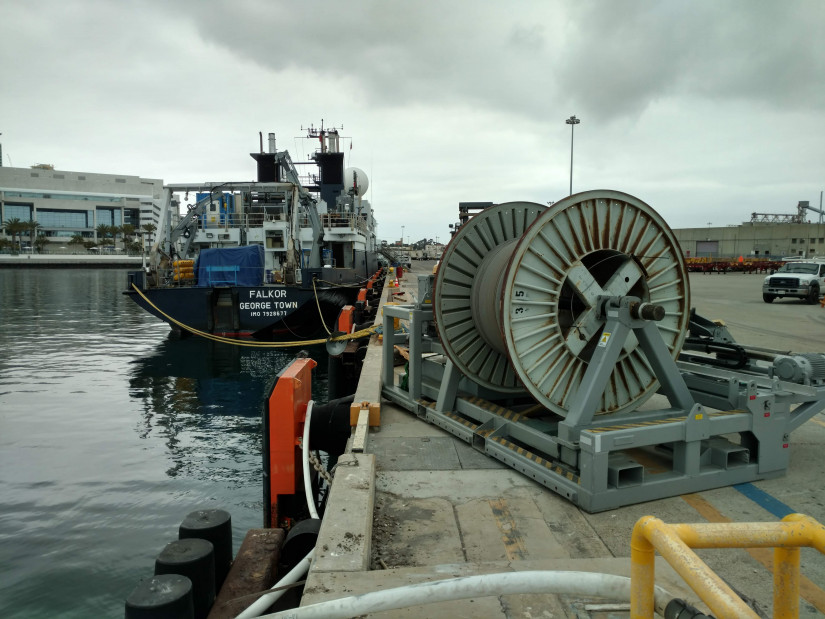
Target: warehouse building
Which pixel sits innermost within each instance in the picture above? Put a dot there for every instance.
(765, 236)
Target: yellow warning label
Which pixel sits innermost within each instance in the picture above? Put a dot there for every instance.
(604, 339)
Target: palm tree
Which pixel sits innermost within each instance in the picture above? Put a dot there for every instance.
(128, 231)
(103, 231)
(77, 239)
(14, 226)
(149, 229)
(33, 226)
(40, 242)
(115, 230)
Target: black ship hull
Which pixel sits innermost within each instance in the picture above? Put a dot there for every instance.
(267, 312)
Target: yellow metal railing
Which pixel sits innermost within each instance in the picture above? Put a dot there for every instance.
(675, 541)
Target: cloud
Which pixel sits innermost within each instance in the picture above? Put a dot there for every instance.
(623, 56)
(711, 110)
(609, 60)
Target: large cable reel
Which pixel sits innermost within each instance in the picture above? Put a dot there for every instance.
(517, 288)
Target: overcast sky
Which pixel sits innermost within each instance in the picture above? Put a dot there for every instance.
(706, 110)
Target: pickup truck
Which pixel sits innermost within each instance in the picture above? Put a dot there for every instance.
(803, 279)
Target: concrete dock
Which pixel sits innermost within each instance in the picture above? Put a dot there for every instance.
(419, 505)
(68, 261)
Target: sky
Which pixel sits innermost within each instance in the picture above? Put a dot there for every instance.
(708, 111)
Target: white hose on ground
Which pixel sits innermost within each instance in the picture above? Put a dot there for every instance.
(265, 601)
(313, 511)
(466, 587)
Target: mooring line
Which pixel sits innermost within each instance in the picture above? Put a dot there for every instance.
(235, 342)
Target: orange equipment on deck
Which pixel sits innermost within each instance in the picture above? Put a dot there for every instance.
(183, 270)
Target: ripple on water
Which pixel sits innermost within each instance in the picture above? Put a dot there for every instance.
(110, 434)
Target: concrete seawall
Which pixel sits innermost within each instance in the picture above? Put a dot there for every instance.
(68, 261)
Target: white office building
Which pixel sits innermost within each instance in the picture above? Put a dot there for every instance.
(70, 203)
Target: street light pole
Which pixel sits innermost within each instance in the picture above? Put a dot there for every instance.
(572, 121)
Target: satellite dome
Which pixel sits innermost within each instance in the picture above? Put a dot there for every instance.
(358, 178)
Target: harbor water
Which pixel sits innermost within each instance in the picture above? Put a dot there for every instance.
(111, 432)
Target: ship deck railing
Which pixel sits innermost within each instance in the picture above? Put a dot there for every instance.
(241, 220)
(330, 221)
(337, 221)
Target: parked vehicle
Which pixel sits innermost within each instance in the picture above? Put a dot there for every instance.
(803, 279)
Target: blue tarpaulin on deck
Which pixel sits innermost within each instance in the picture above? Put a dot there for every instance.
(231, 266)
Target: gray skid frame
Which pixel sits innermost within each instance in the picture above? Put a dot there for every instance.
(723, 427)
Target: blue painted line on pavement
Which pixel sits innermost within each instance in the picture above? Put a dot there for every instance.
(765, 500)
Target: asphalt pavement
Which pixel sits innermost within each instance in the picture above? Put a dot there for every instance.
(423, 506)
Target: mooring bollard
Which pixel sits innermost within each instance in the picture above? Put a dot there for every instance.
(213, 525)
(168, 596)
(195, 559)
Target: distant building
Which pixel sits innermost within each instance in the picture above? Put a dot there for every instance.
(758, 240)
(70, 203)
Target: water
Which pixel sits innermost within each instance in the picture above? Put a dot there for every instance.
(110, 433)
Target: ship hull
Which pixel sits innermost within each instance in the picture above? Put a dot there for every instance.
(268, 312)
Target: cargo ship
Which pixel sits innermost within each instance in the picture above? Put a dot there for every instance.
(272, 259)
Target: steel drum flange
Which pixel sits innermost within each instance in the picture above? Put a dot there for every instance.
(457, 326)
(517, 289)
(588, 245)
